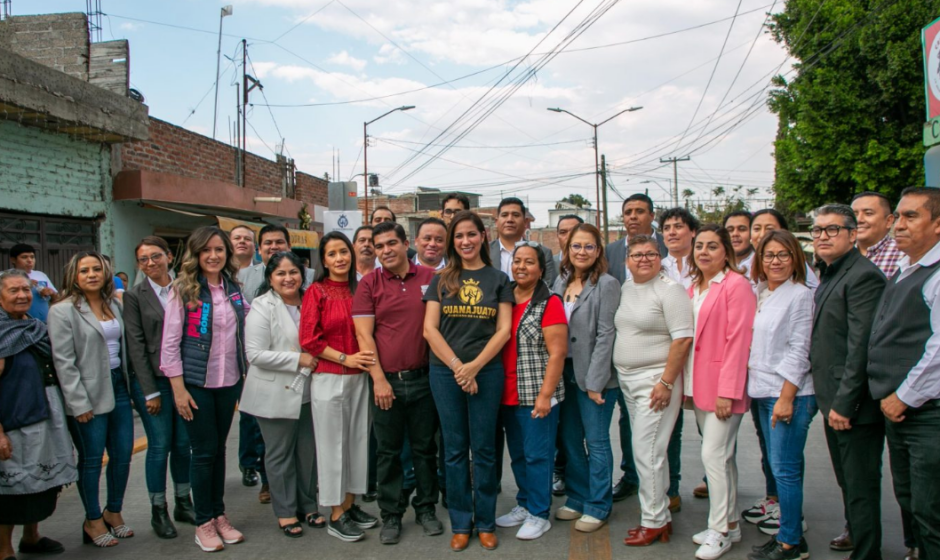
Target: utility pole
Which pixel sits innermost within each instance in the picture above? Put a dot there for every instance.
(238, 134)
(365, 149)
(246, 89)
(226, 11)
(675, 175)
(604, 175)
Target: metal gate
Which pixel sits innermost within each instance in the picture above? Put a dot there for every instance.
(56, 240)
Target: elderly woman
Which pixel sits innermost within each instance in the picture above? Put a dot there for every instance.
(277, 392)
(654, 335)
(779, 382)
(533, 360)
(36, 458)
(86, 329)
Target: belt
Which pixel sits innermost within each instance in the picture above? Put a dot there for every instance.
(408, 374)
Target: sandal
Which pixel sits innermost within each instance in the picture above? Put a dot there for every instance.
(121, 531)
(290, 530)
(104, 540)
(316, 520)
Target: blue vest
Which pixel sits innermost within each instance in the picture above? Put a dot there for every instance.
(197, 332)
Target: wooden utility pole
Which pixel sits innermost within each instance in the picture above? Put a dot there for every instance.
(675, 176)
(604, 197)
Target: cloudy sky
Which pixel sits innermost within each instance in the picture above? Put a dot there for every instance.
(481, 74)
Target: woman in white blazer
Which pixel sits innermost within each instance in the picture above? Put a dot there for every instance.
(277, 393)
(87, 334)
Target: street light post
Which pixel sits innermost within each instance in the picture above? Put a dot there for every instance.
(668, 192)
(365, 149)
(597, 171)
(226, 11)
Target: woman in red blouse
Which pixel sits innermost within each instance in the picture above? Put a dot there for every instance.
(339, 391)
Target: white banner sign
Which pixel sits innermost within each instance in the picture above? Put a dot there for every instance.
(346, 221)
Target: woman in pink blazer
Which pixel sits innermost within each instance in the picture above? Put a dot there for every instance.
(716, 377)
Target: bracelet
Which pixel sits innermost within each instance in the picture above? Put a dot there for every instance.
(454, 359)
(667, 385)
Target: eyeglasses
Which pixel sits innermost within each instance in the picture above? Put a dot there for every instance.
(525, 243)
(651, 256)
(156, 257)
(831, 231)
(449, 211)
(782, 256)
(577, 248)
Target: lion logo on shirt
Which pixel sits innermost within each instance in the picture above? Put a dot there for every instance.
(470, 293)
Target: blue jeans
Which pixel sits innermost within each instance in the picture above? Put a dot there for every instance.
(785, 444)
(166, 438)
(585, 423)
(250, 445)
(531, 443)
(468, 424)
(770, 483)
(113, 431)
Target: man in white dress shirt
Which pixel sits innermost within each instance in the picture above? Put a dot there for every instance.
(431, 244)
(679, 229)
(510, 229)
(738, 224)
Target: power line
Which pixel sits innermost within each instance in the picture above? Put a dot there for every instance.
(301, 22)
(518, 146)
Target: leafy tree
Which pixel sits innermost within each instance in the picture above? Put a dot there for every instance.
(577, 200)
(687, 195)
(850, 119)
(726, 203)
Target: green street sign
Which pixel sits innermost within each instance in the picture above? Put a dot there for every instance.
(932, 132)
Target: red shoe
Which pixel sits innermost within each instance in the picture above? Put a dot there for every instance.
(636, 529)
(646, 536)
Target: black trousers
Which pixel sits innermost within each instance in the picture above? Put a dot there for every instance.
(412, 413)
(915, 464)
(856, 459)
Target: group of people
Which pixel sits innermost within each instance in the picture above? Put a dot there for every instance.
(430, 363)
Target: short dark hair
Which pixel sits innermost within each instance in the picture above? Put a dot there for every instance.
(386, 227)
(933, 198)
(509, 201)
(736, 214)
(360, 228)
(155, 241)
(777, 216)
(883, 198)
(273, 263)
(682, 214)
(271, 228)
(21, 248)
(642, 239)
(569, 217)
(637, 197)
(539, 255)
(844, 210)
(386, 208)
(461, 198)
(430, 221)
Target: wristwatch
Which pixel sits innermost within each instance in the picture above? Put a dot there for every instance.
(668, 385)
(342, 358)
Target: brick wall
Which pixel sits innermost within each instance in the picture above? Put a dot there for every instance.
(404, 204)
(175, 150)
(59, 41)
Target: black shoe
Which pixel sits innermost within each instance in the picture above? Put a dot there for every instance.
(250, 477)
(430, 523)
(404, 500)
(558, 485)
(160, 521)
(391, 530)
(371, 495)
(623, 490)
(775, 552)
(184, 511)
(344, 529)
(766, 546)
(361, 518)
(45, 545)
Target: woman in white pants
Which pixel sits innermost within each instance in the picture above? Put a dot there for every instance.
(654, 335)
(724, 305)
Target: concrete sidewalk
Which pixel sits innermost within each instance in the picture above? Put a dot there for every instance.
(823, 511)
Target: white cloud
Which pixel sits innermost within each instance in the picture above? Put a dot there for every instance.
(129, 26)
(343, 58)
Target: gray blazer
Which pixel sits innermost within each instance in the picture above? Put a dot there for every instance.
(81, 358)
(551, 266)
(143, 332)
(591, 332)
(616, 254)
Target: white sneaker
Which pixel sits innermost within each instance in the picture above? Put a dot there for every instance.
(565, 513)
(714, 547)
(733, 534)
(514, 518)
(533, 528)
(589, 524)
(760, 511)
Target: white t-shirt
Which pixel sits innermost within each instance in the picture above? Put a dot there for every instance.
(112, 335)
(42, 280)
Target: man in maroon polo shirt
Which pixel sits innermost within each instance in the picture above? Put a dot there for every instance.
(389, 316)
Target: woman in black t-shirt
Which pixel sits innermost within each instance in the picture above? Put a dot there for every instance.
(467, 322)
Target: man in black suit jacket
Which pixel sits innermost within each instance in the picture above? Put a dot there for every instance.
(846, 300)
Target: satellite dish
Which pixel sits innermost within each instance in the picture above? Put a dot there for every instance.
(135, 95)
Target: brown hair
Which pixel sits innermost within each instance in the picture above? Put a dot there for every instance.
(731, 260)
(450, 276)
(70, 289)
(641, 240)
(187, 281)
(600, 265)
(790, 242)
(158, 242)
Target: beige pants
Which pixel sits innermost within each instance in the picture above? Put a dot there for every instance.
(340, 406)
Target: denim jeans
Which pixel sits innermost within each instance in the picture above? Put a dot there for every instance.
(785, 444)
(585, 424)
(114, 432)
(251, 445)
(770, 483)
(208, 432)
(166, 439)
(531, 443)
(468, 424)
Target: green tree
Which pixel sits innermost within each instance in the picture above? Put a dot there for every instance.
(577, 200)
(850, 119)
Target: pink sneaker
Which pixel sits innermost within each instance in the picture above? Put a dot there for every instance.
(229, 534)
(208, 538)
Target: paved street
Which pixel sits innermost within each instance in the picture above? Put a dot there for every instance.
(265, 542)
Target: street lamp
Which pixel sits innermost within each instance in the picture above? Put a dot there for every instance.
(597, 171)
(669, 192)
(365, 149)
(226, 11)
